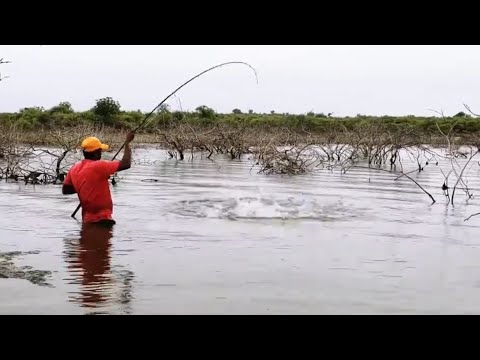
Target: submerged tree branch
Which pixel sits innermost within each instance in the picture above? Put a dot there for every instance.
(390, 172)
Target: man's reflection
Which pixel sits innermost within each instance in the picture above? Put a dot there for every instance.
(88, 261)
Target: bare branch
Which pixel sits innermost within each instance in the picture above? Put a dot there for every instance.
(469, 110)
(471, 216)
(459, 177)
(416, 183)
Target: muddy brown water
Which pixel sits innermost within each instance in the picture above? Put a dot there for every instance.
(203, 237)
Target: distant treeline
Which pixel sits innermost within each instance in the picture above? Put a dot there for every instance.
(108, 112)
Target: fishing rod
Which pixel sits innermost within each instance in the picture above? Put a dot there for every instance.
(146, 119)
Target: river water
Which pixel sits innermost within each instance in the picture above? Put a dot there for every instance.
(215, 237)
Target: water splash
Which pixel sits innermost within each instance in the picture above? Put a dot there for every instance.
(261, 208)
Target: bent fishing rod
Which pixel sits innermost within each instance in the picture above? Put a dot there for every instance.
(147, 119)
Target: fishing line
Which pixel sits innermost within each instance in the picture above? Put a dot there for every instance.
(147, 118)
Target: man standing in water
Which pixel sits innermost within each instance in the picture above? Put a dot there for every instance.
(89, 179)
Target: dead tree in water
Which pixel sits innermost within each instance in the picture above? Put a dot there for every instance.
(174, 147)
(453, 153)
(22, 159)
(14, 157)
(64, 146)
(220, 140)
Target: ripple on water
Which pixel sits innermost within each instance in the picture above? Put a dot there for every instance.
(197, 233)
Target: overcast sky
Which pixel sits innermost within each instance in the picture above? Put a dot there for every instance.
(346, 80)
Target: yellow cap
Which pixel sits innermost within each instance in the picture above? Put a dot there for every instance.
(91, 144)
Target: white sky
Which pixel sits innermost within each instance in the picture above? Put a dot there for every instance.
(346, 80)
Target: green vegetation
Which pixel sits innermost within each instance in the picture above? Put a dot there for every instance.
(108, 113)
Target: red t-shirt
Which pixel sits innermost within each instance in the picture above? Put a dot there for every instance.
(90, 180)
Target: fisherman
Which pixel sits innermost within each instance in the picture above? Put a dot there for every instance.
(89, 179)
